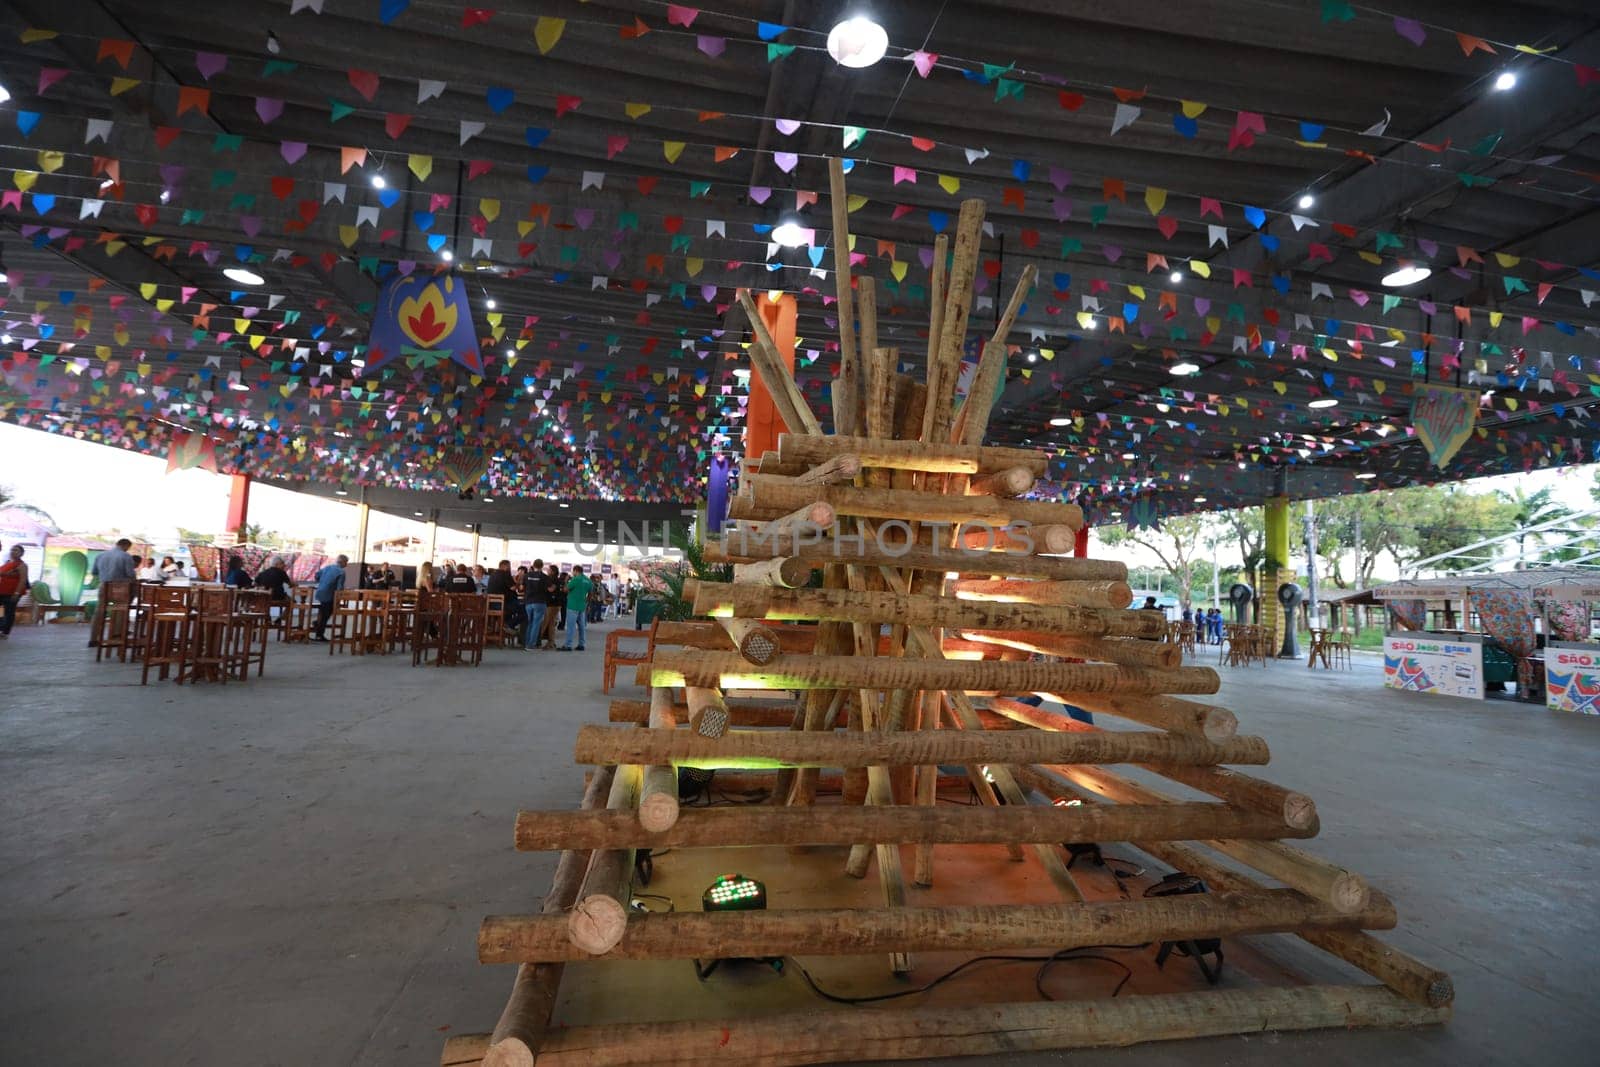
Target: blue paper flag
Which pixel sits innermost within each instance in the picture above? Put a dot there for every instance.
(499, 99)
(26, 121)
(1255, 216)
(770, 31)
(389, 10)
(536, 136)
(1186, 126)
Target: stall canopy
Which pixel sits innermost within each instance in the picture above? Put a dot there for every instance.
(207, 204)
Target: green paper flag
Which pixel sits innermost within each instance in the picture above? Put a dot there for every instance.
(338, 109)
(776, 52)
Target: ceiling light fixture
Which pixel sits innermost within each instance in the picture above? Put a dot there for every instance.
(5, 94)
(5, 276)
(1323, 402)
(1407, 274)
(273, 45)
(166, 196)
(239, 387)
(790, 234)
(243, 276)
(1366, 476)
(1175, 277)
(448, 256)
(1183, 370)
(1505, 82)
(1199, 500)
(378, 182)
(1306, 200)
(1033, 357)
(1060, 420)
(489, 303)
(857, 42)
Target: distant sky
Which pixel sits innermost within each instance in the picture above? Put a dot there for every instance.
(90, 489)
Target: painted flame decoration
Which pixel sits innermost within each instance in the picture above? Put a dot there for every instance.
(428, 316)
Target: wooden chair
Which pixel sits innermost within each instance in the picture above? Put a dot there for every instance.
(1343, 646)
(210, 635)
(430, 624)
(167, 618)
(464, 636)
(616, 657)
(247, 645)
(399, 625)
(113, 620)
(495, 631)
(299, 615)
(1321, 648)
(45, 605)
(344, 625)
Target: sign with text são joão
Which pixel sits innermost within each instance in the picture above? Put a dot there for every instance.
(1433, 663)
(1572, 677)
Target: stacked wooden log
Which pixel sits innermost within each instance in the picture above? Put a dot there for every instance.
(894, 585)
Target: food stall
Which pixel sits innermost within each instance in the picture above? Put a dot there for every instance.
(1473, 634)
(1571, 652)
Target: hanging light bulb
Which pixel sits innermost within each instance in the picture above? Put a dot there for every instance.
(857, 42)
(377, 180)
(789, 233)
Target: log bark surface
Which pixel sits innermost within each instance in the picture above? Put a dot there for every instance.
(767, 496)
(879, 672)
(897, 824)
(806, 450)
(998, 1031)
(915, 609)
(747, 749)
(970, 928)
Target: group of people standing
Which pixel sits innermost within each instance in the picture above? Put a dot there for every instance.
(1207, 624)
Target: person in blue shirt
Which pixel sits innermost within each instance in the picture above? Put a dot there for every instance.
(330, 579)
(236, 574)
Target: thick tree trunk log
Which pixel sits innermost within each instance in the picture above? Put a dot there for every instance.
(874, 552)
(753, 749)
(596, 922)
(658, 792)
(846, 416)
(911, 609)
(1011, 482)
(785, 572)
(974, 928)
(1116, 595)
(733, 671)
(1126, 651)
(912, 455)
(996, 1031)
(898, 824)
(523, 1023)
(841, 468)
(1160, 712)
(944, 363)
(764, 496)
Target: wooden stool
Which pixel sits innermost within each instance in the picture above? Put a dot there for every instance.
(430, 622)
(248, 636)
(344, 624)
(112, 619)
(495, 623)
(166, 620)
(210, 631)
(469, 623)
(299, 615)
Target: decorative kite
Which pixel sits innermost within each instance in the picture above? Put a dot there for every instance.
(1444, 417)
(426, 319)
(464, 467)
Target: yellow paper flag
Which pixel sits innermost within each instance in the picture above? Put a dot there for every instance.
(693, 264)
(855, 202)
(24, 179)
(50, 160)
(122, 85)
(1496, 318)
(1505, 259)
(1155, 199)
(1200, 267)
(148, 290)
(1192, 109)
(421, 166)
(33, 34)
(489, 208)
(950, 184)
(547, 31)
(672, 150)
(1280, 388)
(349, 235)
(897, 267)
(636, 111)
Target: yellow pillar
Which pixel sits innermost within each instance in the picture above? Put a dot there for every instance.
(1275, 568)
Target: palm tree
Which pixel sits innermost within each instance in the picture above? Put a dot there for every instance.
(1534, 509)
(8, 499)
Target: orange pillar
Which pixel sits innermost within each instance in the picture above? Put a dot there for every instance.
(238, 502)
(1080, 546)
(762, 425)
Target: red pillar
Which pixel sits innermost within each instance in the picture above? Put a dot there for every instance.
(1080, 547)
(762, 422)
(238, 502)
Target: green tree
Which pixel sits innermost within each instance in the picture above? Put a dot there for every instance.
(1179, 544)
(9, 499)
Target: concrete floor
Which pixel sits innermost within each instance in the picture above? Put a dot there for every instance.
(292, 871)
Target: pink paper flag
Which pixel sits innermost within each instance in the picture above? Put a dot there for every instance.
(48, 76)
(905, 174)
(711, 46)
(924, 62)
(680, 15)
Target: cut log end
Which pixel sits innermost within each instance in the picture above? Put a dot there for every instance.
(596, 924)
(1441, 991)
(1348, 892)
(1219, 724)
(511, 1052)
(759, 647)
(1299, 811)
(658, 812)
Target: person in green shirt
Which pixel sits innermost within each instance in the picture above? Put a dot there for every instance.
(578, 587)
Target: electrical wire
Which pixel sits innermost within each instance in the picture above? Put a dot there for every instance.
(1045, 962)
